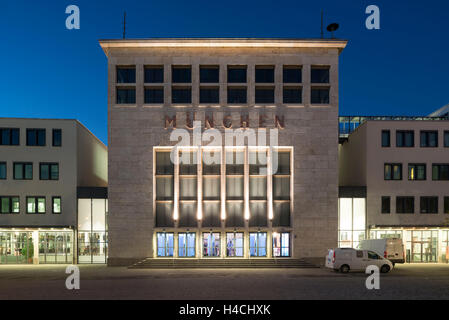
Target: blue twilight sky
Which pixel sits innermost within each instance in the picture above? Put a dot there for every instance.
(51, 72)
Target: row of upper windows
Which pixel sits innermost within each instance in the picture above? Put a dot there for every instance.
(416, 172)
(24, 171)
(407, 205)
(211, 74)
(34, 137)
(211, 95)
(34, 205)
(406, 138)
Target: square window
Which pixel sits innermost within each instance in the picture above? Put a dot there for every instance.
(209, 74)
(237, 74)
(126, 95)
(440, 172)
(154, 74)
(405, 205)
(154, 95)
(320, 74)
(429, 204)
(405, 139)
(57, 137)
(126, 74)
(393, 171)
(416, 172)
(9, 137)
(429, 139)
(181, 74)
(209, 95)
(36, 137)
(446, 204)
(264, 74)
(181, 95)
(320, 95)
(446, 139)
(22, 171)
(292, 74)
(264, 95)
(292, 95)
(5, 205)
(237, 95)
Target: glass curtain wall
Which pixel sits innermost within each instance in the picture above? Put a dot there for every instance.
(351, 224)
(164, 177)
(92, 230)
(235, 160)
(55, 247)
(188, 188)
(211, 188)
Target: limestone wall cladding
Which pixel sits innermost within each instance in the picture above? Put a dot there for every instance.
(135, 130)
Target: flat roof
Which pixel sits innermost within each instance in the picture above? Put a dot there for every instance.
(106, 44)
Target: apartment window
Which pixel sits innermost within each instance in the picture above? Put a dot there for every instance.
(237, 95)
(405, 205)
(56, 205)
(36, 137)
(292, 95)
(209, 95)
(23, 171)
(36, 205)
(154, 95)
(126, 95)
(9, 137)
(49, 171)
(264, 95)
(446, 139)
(9, 204)
(264, 74)
(292, 74)
(393, 171)
(429, 204)
(209, 74)
(126, 74)
(2, 170)
(181, 95)
(446, 204)
(57, 138)
(320, 74)
(405, 139)
(385, 138)
(416, 171)
(429, 139)
(386, 201)
(440, 172)
(236, 74)
(154, 74)
(181, 74)
(320, 95)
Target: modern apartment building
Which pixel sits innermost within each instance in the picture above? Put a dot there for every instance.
(394, 178)
(53, 179)
(169, 201)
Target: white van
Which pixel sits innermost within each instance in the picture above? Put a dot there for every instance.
(346, 259)
(391, 249)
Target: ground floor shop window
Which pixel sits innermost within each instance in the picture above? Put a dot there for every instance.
(165, 244)
(16, 247)
(211, 244)
(258, 244)
(351, 222)
(281, 244)
(234, 244)
(186, 245)
(55, 247)
(422, 246)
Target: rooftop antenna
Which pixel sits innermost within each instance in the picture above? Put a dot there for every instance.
(124, 25)
(332, 27)
(322, 33)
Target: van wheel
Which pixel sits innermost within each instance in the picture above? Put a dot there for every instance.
(344, 268)
(385, 269)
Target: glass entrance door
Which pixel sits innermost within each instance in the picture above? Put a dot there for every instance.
(258, 244)
(211, 244)
(424, 246)
(16, 247)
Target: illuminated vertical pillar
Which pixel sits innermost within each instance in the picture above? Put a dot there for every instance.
(176, 186)
(223, 183)
(269, 184)
(246, 183)
(199, 173)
